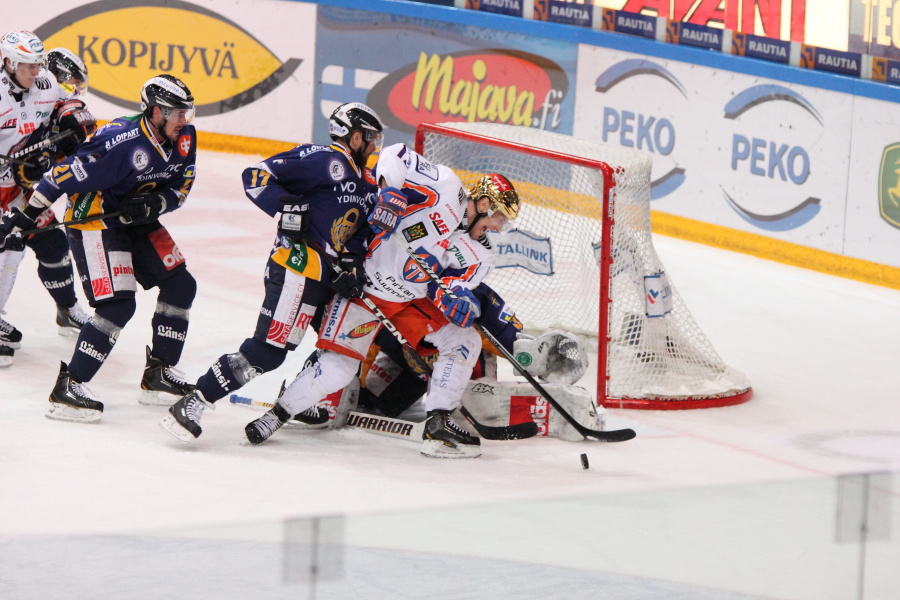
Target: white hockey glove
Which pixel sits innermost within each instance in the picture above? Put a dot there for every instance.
(555, 356)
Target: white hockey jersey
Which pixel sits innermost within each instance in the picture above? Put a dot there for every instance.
(22, 112)
(437, 202)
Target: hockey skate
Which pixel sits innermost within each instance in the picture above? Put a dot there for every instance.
(161, 384)
(71, 400)
(261, 429)
(183, 420)
(6, 356)
(443, 438)
(71, 320)
(9, 335)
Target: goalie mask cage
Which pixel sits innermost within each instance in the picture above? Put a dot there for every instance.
(592, 202)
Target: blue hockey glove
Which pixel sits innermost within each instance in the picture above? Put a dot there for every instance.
(462, 310)
(11, 223)
(138, 209)
(350, 280)
(388, 211)
(293, 221)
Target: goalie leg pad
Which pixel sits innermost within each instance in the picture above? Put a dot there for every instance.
(511, 402)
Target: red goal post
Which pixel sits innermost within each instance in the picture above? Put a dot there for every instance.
(580, 258)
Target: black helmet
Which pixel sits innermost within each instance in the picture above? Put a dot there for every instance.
(65, 65)
(355, 116)
(166, 92)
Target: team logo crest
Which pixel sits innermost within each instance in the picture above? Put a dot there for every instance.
(140, 160)
(184, 145)
(889, 185)
(342, 229)
(337, 170)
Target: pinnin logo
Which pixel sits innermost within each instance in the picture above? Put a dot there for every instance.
(497, 86)
(225, 66)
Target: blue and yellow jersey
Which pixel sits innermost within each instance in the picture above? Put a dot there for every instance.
(122, 158)
(338, 196)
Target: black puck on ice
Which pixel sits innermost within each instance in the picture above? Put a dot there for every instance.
(584, 462)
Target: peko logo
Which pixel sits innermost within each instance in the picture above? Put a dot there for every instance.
(640, 129)
(778, 161)
(225, 66)
(497, 86)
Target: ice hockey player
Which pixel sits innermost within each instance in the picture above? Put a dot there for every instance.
(35, 107)
(408, 297)
(108, 174)
(322, 196)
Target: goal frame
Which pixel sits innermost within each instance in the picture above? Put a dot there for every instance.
(604, 336)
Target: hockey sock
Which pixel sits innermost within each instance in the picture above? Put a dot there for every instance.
(97, 338)
(170, 325)
(59, 281)
(55, 266)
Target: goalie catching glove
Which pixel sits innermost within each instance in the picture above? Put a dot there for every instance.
(555, 356)
(138, 209)
(388, 211)
(462, 309)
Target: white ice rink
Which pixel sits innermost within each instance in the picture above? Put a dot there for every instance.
(733, 502)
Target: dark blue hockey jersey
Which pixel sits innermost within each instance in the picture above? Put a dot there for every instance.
(338, 194)
(122, 158)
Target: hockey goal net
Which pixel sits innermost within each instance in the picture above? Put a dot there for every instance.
(580, 258)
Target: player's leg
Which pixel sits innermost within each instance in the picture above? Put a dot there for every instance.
(347, 331)
(10, 337)
(51, 248)
(457, 352)
(104, 261)
(289, 304)
(158, 263)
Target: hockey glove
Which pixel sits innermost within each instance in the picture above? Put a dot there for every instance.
(387, 213)
(11, 223)
(462, 310)
(28, 175)
(73, 116)
(294, 220)
(350, 280)
(138, 209)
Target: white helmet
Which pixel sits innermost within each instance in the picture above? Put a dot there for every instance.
(22, 47)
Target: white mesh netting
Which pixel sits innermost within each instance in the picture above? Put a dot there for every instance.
(657, 356)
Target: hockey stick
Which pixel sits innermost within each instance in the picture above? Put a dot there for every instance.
(518, 431)
(619, 435)
(99, 217)
(18, 157)
(399, 428)
(16, 161)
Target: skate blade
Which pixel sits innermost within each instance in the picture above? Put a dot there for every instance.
(171, 425)
(64, 412)
(152, 398)
(5, 361)
(69, 332)
(13, 345)
(438, 449)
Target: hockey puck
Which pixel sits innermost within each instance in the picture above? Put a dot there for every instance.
(584, 462)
